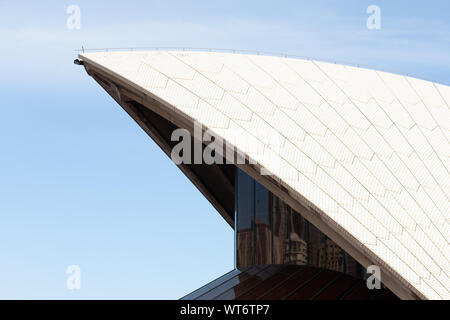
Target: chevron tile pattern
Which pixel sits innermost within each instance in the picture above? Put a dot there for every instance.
(369, 149)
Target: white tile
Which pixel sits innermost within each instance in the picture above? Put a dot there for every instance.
(329, 185)
(336, 147)
(377, 143)
(373, 83)
(334, 71)
(347, 181)
(306, 120)
(383, 174)
(356, 143)
(407, 201)
(231, 107)
(255, 101)
(419, 251)
(427, 92)
(418, 167)
(306, 69)
(374, 113)
(315, 151)
(402, 172)
(200, 61)
(389, 256)
(438, 239)
(438, 170)
(328, 116)
(243, 66)
(400, 87)
(444, 92)
(292, 130)
(439, 144)
(424, 240)
(298, 158)
(351, 114)
(427, 291)
(440, 199)
(208, 115)
(177, 96)
(304, 92)
(202, 87)
(276, 68)
(228, 81)
(365, 176)
(329, 91)
(407, 257)
(438, 287)
(419, 113)
(376, 206)
(427, 204)
(442, 116)
(170, 66)
(397, 114)
(352, 225)
(393, 206)
(368, 219)
(396, 140)
(149, 78)
(417, 140)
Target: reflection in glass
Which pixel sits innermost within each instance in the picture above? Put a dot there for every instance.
(268, 231)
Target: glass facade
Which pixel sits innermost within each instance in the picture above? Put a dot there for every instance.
(268, 231)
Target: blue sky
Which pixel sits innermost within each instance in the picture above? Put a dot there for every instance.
(80, 183)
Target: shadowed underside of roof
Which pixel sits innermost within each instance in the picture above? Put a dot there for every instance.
(363, 154)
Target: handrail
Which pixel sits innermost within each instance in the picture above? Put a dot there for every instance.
(246, 51)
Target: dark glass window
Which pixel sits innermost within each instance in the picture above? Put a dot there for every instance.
(268, 231)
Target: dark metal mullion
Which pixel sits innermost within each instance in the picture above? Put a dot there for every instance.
(236, 209)
(253, 226)
(288, 229)
(271, 213)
